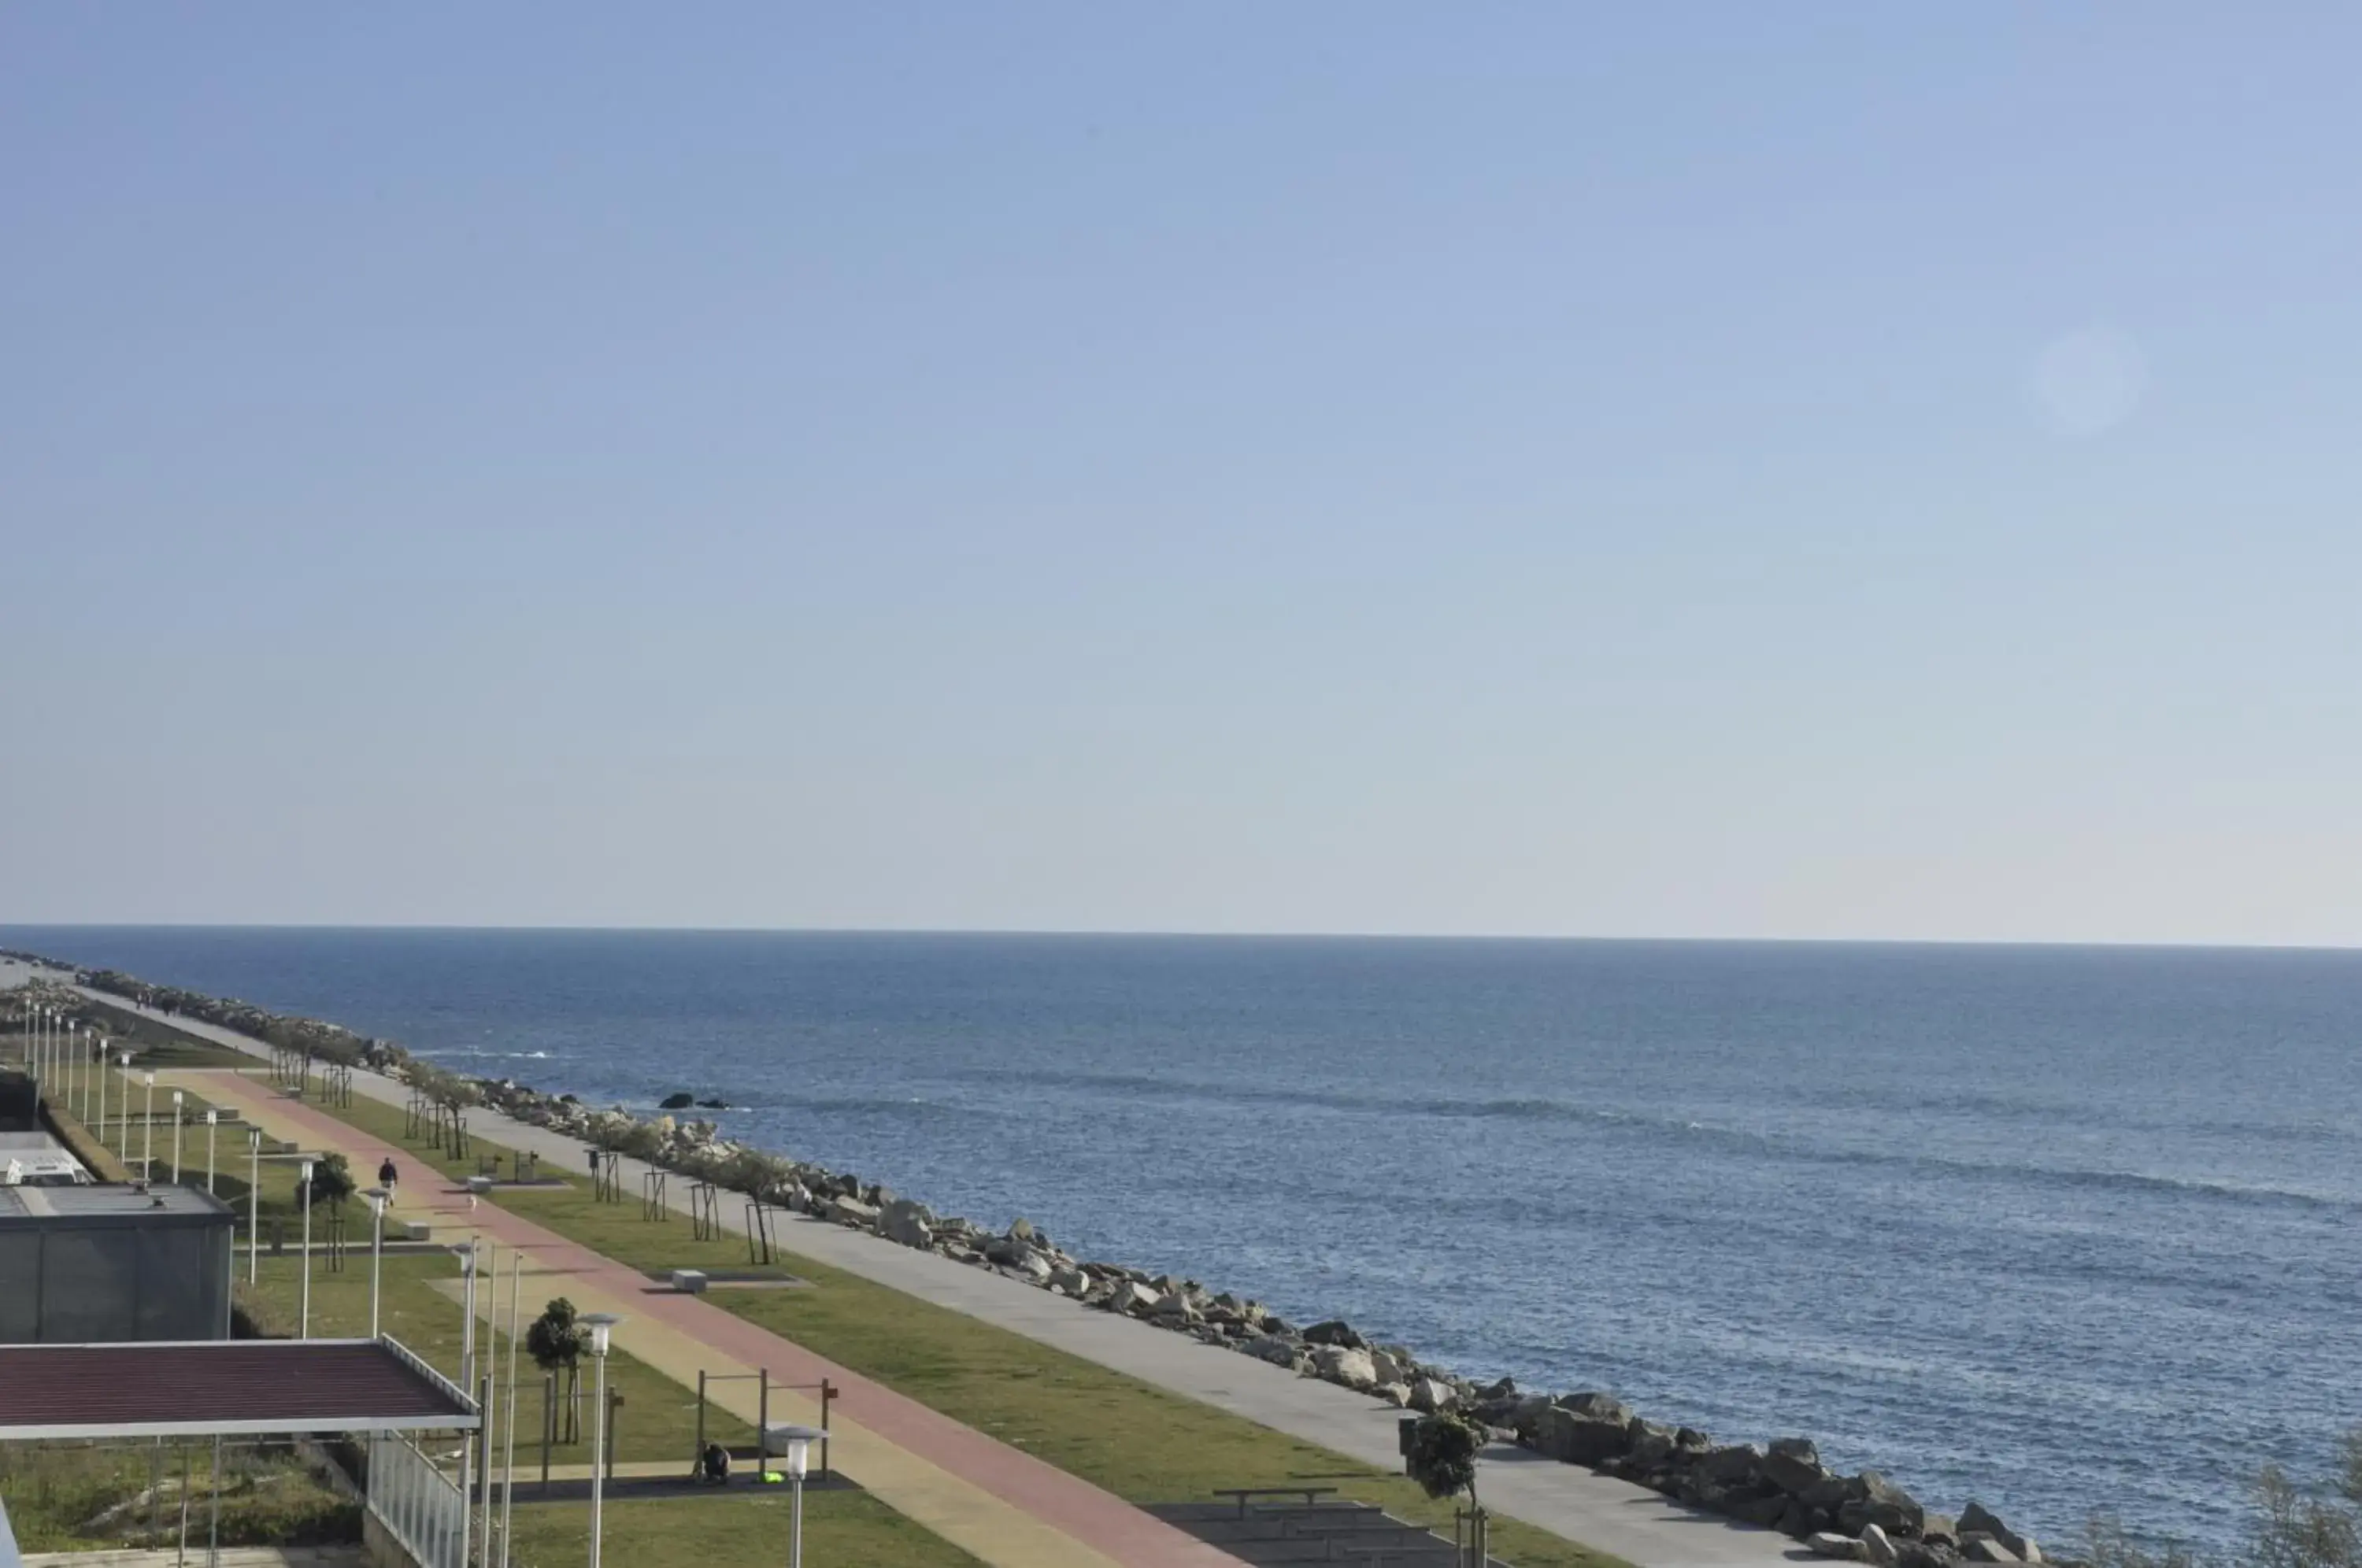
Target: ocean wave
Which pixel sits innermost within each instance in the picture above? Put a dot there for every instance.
(1547, 1110)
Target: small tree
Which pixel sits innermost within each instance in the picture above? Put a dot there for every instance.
(331, 1183)
(556, 1343)
(1442, 1460)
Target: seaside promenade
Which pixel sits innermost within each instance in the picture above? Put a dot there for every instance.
(1631, 1523)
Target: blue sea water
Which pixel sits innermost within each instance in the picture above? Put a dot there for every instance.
(2063, 1230)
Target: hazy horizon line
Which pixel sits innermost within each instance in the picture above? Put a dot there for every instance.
(1137, 933)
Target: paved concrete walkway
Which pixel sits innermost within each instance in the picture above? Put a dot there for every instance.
(1611, 1516)
(227, 1557)
(1002, 1505)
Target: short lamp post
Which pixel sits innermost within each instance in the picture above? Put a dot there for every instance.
(176, 1137)
(601, 1325)
(377, 1197)
(796, 1457)
(304, 1318)
(213, 1118)
(253, 1199)
(102, 1076)
(465, 1254)
(123, 1121)
(148, 1130)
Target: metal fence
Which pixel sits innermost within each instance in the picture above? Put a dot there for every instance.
(419, 1506)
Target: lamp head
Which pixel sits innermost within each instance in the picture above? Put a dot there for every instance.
(124, 1060)
(211, 1117)
(306, 1168)
(377, 1197)
(797, 1458)
(146, 1079)
(601, 1325)
(176, 1098)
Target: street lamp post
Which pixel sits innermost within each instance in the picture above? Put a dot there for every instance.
(253, 1199)
(176, 1137)
(101, 1097)
(377, 1197)
(303, 1325)
(600, 1324)
(211, 1119)
(798, 1458)
(147, 1130)
(467, 1255)
(122, 1127)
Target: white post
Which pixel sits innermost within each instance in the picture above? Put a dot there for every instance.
(123, 1125)
(303, 1328)
(253, 1199)
(377, 1248)
(508, 1419)
(176, 1137)
(468, 1325)
(101, 1098)
(211, 1119)
(600, 1325)
(148, 1131)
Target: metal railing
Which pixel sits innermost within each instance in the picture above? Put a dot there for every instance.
(420, 1507)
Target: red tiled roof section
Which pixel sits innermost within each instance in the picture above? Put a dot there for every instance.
(313, 1386)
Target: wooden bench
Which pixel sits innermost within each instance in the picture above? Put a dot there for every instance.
(1244, 1493)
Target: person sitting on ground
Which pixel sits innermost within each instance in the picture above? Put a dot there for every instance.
(713, 1467)
(386, 1177)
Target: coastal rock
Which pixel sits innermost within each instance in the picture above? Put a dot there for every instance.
(1393, 1368)
(1073, 1281)
(1793, 1466)
(1982, 1547)
(1732, 1466)
(1829, 1543)
(1347, 1365)
(1334, 1332)
(1394, 1394)
(1268, 1347)
(1978, 1519)
(1598, 1407)
(1882, 1503)
(1430, 1394)
(1573, 1438)
(850, 1211)
(1646, 1445)
(911, 1224)
(1876, 1550)
(1132, 1298)
(680, 1099)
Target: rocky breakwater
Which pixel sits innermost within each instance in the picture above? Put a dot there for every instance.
(1781, 1485)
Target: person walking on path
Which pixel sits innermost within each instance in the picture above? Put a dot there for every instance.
(386, 1177)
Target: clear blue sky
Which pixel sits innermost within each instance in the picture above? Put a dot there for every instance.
(1745, 469)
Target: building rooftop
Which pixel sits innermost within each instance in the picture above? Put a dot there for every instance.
(221, 1385)
(109, 1204)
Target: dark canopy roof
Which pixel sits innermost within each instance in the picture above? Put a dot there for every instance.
(194, 1389)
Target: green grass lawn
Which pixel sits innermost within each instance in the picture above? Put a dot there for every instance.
(734, 1529)
(658, 1419)
(1136, 1440)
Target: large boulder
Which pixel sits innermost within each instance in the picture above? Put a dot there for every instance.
(1647, 1444)
(1982, 1547)
(1598, 1407)
(1876, 1550)
(1829, 1543)
(1264, 1347)
(1335, 1332)
(1978, 1519)
(850, 1211)
(1348, 1365)
(1132, 1298)
(1882, 1503)
(1429, 1395)
(1573, 1438)
(1732, 1466)
(1793, 1466)
(1394, 1366)
(911, 1224)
